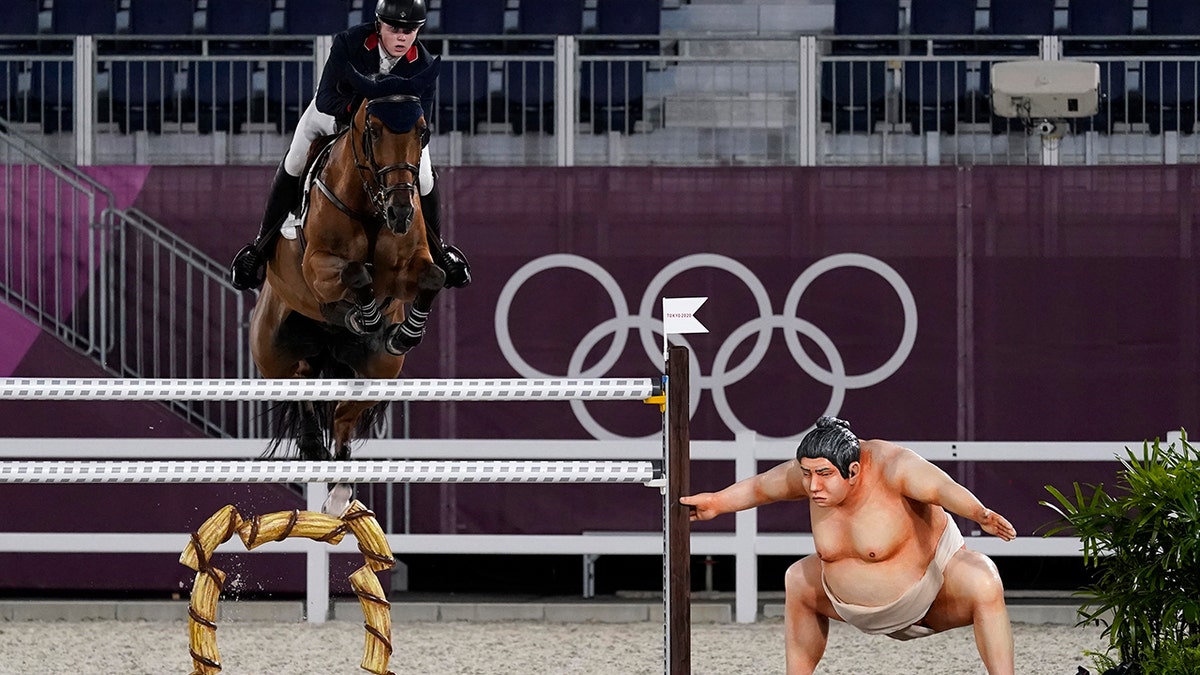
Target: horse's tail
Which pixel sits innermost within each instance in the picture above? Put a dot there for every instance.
(304, 429)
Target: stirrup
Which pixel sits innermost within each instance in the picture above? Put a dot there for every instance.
(248, 270)
(455, 265)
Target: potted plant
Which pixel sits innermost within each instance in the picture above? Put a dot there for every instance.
(1142, 538)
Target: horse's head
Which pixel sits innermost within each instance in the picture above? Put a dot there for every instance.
(392, 131)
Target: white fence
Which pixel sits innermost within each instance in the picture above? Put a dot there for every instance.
(745, 544)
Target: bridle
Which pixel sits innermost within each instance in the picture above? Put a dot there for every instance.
(371, 170)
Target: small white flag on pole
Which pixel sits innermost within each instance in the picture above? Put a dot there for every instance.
(679, 316)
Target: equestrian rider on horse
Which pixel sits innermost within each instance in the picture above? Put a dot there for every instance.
(389, 45)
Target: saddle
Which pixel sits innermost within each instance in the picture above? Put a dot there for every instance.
(318, 157)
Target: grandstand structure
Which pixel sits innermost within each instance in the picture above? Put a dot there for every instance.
(614, 82)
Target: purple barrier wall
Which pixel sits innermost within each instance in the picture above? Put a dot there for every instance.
(991, 304)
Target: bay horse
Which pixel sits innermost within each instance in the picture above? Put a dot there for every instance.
(333, 304)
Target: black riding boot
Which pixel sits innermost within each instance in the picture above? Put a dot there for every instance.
(249, 265)
(449, 258)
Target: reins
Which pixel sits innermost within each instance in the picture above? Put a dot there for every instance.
(369, 171)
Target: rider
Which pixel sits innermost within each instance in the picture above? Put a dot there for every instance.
(389, 45)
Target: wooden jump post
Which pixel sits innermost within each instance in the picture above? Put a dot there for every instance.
(677, 526)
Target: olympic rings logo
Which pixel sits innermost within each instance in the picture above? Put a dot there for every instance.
(722, 374)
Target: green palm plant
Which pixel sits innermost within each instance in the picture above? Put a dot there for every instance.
(1143, 541)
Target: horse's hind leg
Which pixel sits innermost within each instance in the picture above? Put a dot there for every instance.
(346, 419)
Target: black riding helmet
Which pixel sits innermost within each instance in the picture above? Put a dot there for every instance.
(408, 14)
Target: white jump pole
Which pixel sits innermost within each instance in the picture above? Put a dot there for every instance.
(364, 471)
(45, 389)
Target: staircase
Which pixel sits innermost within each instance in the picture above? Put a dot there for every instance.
(117, 286)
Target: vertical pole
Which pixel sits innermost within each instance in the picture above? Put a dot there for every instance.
(746, 534)
(677, 595)
(85, 99)
(316, 566)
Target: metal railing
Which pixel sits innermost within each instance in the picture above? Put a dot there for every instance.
(617, 100)
(116, 285)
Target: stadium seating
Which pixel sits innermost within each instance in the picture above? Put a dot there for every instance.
(463, 87)
(935, 90)
(1091, 27)
(611, 91)
(529, 85)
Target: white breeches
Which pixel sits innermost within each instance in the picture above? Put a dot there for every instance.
(314, 124)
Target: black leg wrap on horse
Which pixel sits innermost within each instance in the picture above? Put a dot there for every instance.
(364, 319)
(404, 336)
(449, 258)
(248, 268)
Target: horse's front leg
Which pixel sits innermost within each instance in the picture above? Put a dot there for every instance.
(402, 337)
(336, 281)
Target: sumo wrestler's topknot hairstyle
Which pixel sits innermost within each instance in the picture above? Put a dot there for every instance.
(831, 440)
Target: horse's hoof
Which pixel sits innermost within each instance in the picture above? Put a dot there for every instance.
(361, 323)
(338, 500)
(399, 342)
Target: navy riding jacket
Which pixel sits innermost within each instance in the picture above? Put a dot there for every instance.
(358, 47)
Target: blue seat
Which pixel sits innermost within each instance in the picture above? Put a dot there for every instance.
(462, 94)
(83, 17)
(15, 104)
(943, 17)
(52, 90)
(550, 17)
(1093, 21)
(1098, 18)
(1176, 18)
(470, 17)
(628, 17)
(935, 93)
(162, 17)
(529, 89)
(317, 18)
(463, 87)
(1170, 90)
(1018, 17)
(852, 94)
(20, 18)
(237, 18)
(529, 85)
(866, 17)
(142, 94)
(220, 94)
(612, 92)
(289, 90)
